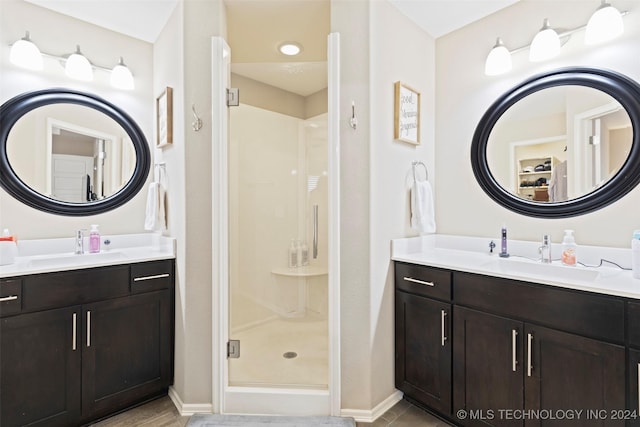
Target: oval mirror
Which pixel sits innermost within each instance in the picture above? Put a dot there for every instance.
(70, 153)
(560, 144)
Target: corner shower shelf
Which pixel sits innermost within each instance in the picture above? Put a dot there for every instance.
(308, 271)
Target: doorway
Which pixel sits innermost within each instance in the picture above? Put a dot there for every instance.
(276, 188)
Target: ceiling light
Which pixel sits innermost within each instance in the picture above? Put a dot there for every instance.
(25, 54)
(499, 60)
(545, 45)
(290, 48)
(605, 24)
(121, 76)
(78, 66)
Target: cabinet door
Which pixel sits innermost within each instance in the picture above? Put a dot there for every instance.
(423, 350)
(569, 372)
(40, 370)
(633, 375)
(126, 351)
(488, 368)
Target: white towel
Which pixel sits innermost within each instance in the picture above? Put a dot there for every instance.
(422, 212)
(155, 218)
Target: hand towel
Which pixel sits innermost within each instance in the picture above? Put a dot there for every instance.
(153, 207)
(422, 211)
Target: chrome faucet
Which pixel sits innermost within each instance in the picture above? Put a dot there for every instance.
(79, 242)
(545, 250)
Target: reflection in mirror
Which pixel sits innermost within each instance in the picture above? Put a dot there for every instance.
(71, 153)
(559, 143)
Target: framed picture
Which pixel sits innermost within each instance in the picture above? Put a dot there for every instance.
(164, 109)
(406, 122)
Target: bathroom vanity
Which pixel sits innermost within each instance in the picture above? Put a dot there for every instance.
(78, 344)
(483, 344)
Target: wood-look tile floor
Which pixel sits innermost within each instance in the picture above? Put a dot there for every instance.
(163, 413)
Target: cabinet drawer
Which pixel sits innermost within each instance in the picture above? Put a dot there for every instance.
(151, 276)
(586, 314)
(67, 288)
(419, 279)
(10, 296)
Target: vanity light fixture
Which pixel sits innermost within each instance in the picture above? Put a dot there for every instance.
(545, 45)
(25, 54)
(290, 48)
(499, 60)
(121, 76)
(78, 67)
(605, 24)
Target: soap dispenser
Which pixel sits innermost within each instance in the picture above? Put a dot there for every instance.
(635, 254)
(94, 239)
(569, 249)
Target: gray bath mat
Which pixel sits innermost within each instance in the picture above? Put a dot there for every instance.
(217, 420)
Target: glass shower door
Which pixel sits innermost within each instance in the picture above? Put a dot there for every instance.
(278, 295)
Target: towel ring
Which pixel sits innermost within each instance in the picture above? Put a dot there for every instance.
(414, 164)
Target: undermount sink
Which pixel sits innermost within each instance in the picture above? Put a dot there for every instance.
(551, 271)
(71, 258)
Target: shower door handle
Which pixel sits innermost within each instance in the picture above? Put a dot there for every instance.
(315, 231)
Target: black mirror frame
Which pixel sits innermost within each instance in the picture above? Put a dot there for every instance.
(620, 87)
(12, 110)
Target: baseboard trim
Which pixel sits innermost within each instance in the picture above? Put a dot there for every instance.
(188, 409)
(365, 416)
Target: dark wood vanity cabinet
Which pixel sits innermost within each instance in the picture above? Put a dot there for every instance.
(111, 349)
(520, 346)
(40, 372)
(422, 328)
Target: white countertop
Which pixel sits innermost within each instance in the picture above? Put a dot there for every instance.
(49, 255)
(471, 254)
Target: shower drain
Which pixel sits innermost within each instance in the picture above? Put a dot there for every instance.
(290, 355)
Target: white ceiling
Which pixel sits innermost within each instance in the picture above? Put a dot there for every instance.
(440, 17)
(145, 19)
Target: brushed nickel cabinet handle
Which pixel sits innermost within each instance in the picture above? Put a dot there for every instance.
(88, 328)
(443, 315)
(420, 282)
(529, 364)
(155, 276)
(514, 344)
(74, 334)
(9, 298)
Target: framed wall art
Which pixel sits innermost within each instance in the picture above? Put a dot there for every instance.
(406, 122)
(164, 111)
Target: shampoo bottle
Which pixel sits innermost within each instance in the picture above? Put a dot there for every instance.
(569, 248)
(304, 253)
(635, 254)
(94, 239)
(293, 254)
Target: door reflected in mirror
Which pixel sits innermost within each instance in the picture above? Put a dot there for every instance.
(71, 153)
(559, 143)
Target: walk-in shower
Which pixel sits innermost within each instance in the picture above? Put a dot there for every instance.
(278, 198)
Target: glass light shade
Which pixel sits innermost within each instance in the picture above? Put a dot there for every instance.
(605, 24)
(78, 67)
(25, 54)
(498, 61)
(121, 77)
(545, 45)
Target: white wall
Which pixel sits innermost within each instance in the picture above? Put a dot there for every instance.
(379, 46)
(463, 94)
(182, 60)
(103, 47)
(399, 51)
